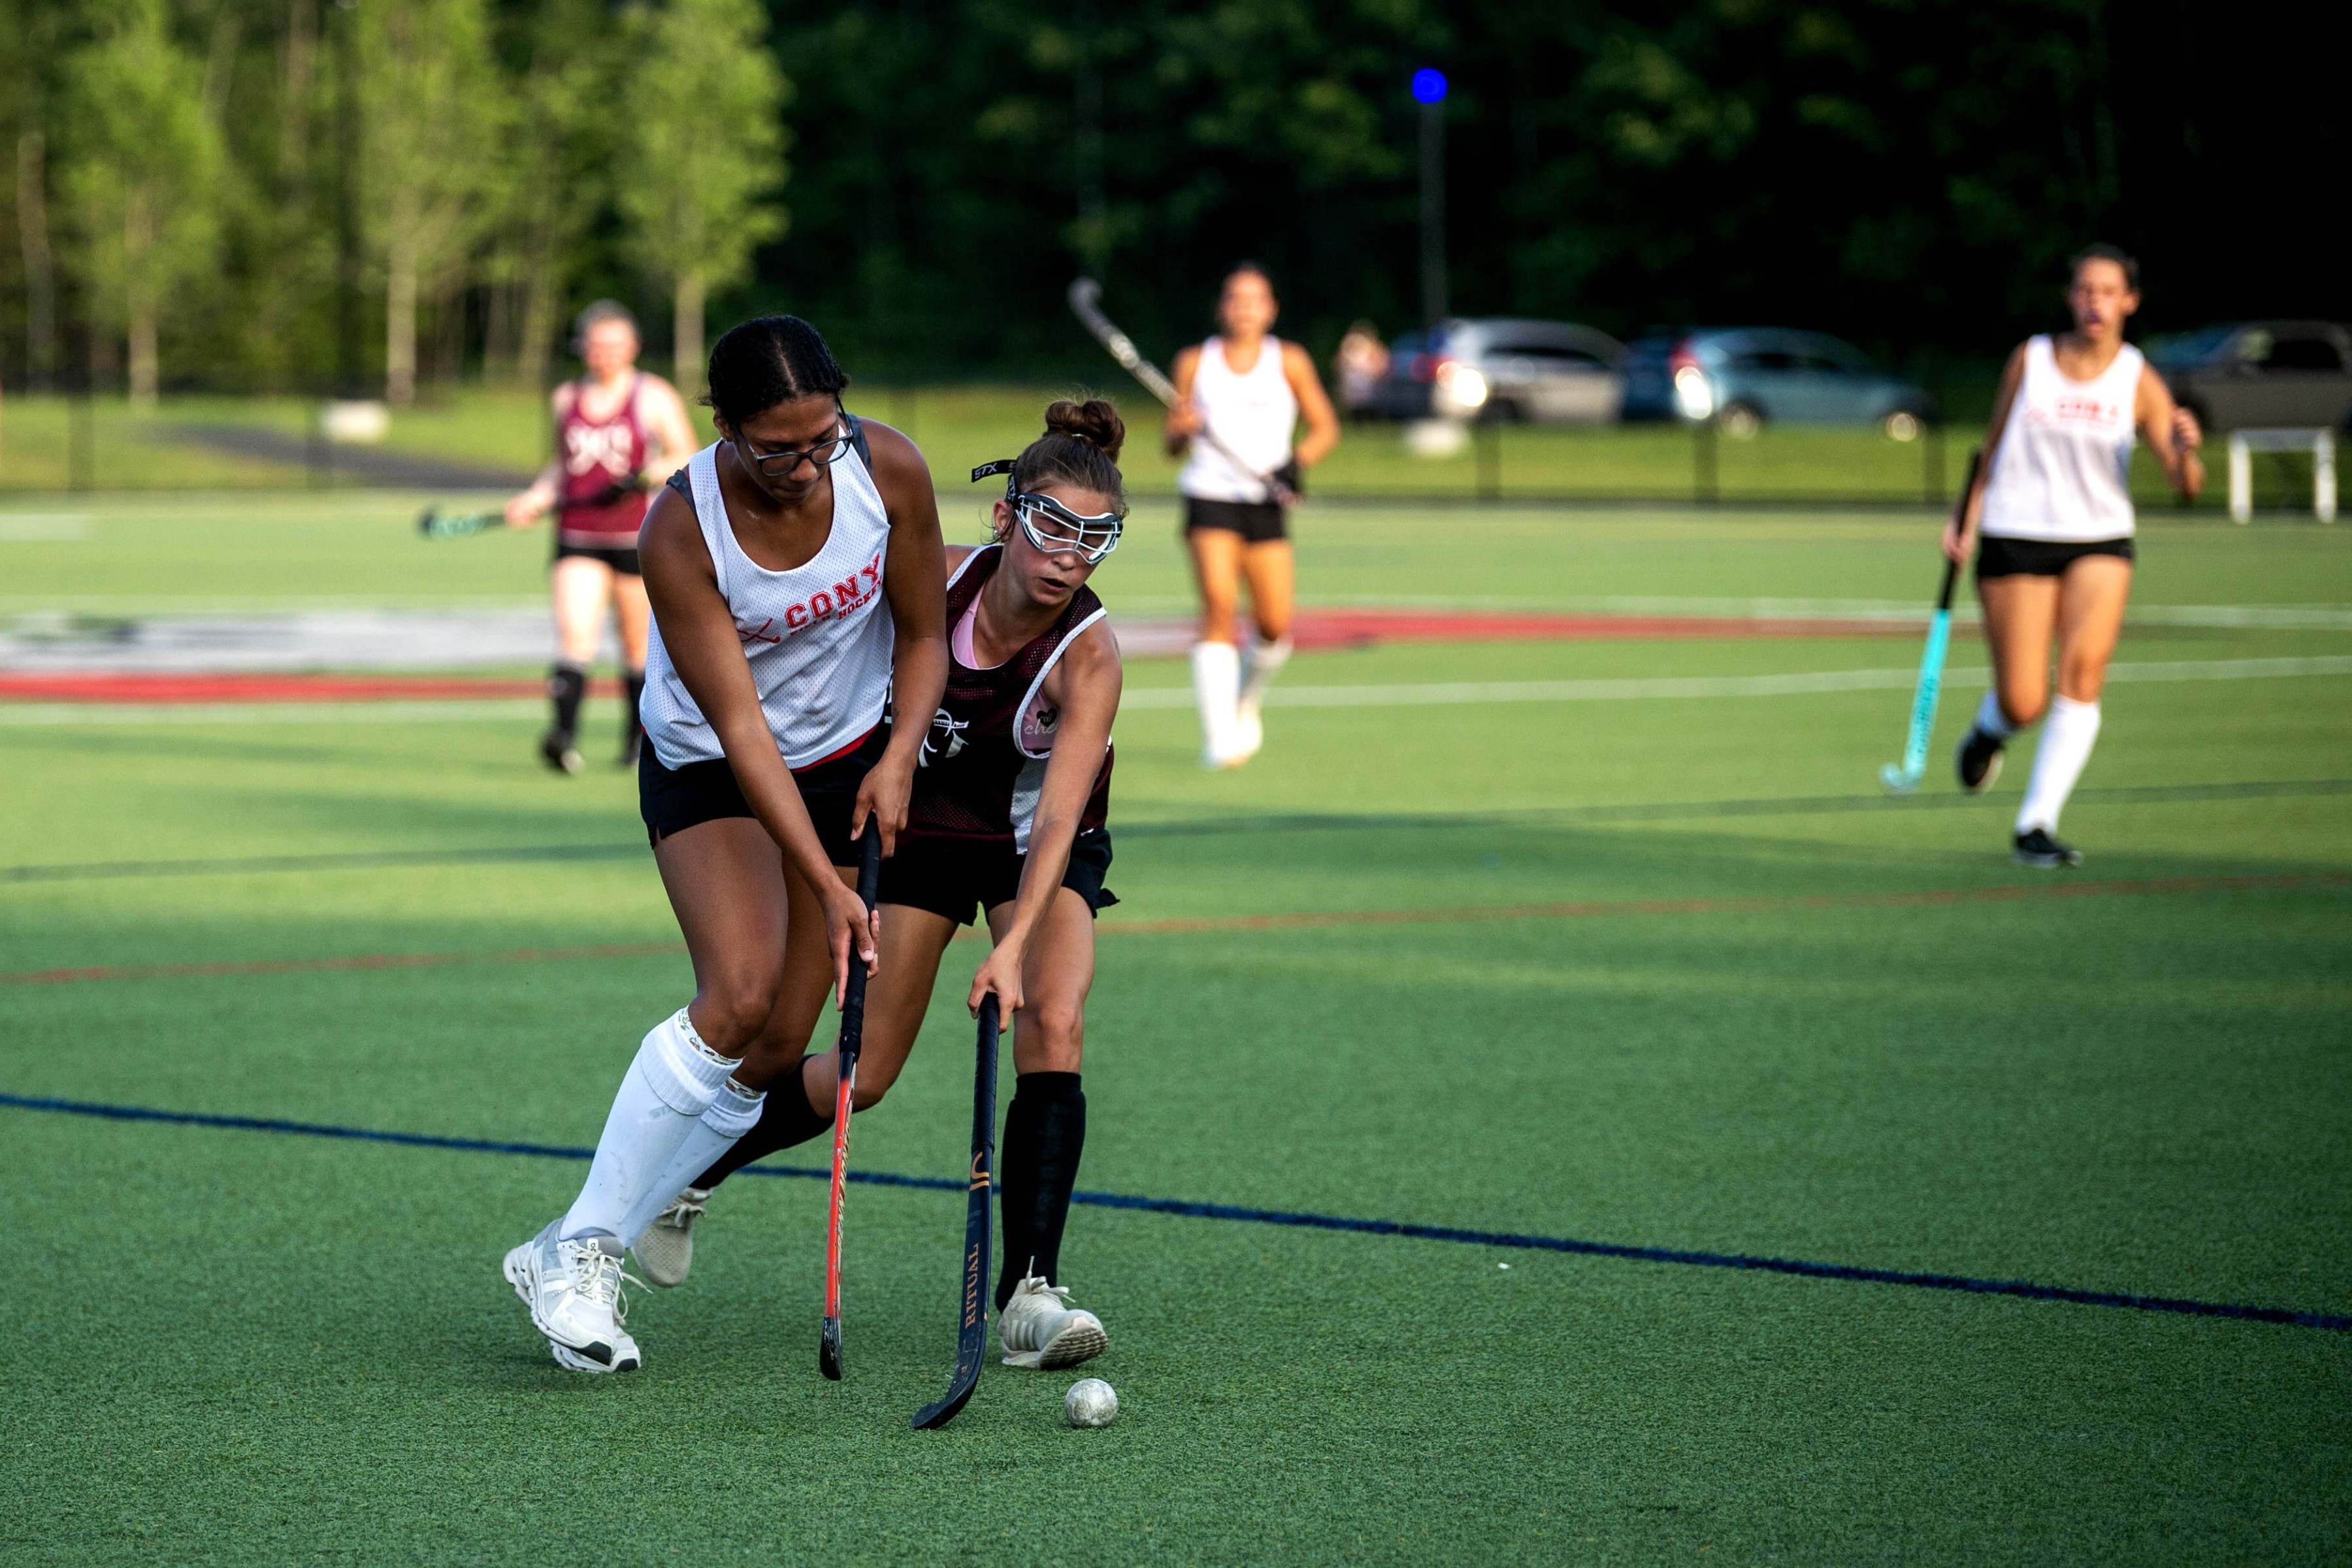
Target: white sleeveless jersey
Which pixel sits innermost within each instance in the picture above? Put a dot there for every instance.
(2061, 472)
(1253, 415)
(818, 638)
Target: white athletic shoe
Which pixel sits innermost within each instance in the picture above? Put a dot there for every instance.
(1039, 1328)
(666, 1251)
(1249, 734)
(574, 1291)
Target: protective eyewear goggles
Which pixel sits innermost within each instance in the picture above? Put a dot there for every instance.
(1053, 526)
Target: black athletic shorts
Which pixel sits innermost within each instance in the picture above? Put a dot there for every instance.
(1258, 521)
(672, 800)
(1998, 557)
(952, 877)
(620, 559)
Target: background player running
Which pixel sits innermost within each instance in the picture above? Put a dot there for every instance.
(1009, 817)
(797, 574)
(619, 433)
(2053, 504)
(1249, 389)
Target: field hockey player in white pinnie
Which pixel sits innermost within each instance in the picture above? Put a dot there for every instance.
(766, 753)
(2050, 523)
(1245, 391)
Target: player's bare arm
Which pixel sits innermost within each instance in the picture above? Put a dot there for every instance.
(1084, 687)
(1960, 531)
(672, 429)
(1183, 420)
(701, 637)
(1314, 406)
(2171, 433)
(915, 580)
(535, 502)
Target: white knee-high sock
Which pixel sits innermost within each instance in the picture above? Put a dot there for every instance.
(662, 1097)
(1216, 690)
(2066, 737)
(1991, 721)
(733, 1111)
(1266, 661)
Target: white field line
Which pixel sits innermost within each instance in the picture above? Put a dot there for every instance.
(2310, 617)
(41, 527)
(1435, 694)
(1646, 687)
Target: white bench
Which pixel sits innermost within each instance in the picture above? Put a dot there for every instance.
(2319, 443)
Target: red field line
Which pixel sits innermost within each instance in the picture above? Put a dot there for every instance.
(1588, 909)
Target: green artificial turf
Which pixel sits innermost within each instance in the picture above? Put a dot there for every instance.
(162, 449)
(244, 1346)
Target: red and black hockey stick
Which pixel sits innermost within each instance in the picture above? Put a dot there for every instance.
(971, 1333)
(853, 1039)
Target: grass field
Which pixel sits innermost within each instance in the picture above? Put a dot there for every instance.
(1578, 960)
(961, 428)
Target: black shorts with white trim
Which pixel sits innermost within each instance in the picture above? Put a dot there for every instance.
(955, 877)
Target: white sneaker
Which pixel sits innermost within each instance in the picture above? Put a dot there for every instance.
(666, 1251)
(574, 1291)
(1249, 734)
(1039, 1328)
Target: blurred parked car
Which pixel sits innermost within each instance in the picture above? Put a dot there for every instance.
(1745, 377)
(1503, 368)
(2261, 373)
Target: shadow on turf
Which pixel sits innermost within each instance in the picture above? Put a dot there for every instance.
(502, 850)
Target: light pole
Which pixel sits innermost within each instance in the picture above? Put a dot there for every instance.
(1429, 91)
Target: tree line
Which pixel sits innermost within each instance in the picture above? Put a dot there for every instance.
(249, 193)
(275, 193)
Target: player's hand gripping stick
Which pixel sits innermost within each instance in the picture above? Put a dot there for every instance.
(853, 1035)
(972, 1332)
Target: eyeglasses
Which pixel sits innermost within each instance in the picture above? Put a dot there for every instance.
(1054, 528)
(785, 464)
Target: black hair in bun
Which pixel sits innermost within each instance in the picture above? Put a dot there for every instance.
(1080, 447)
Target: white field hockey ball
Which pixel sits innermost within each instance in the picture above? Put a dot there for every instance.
(1090, 1402)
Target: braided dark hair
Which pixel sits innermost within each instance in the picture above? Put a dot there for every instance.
(766, 361)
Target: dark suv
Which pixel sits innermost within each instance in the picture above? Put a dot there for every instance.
(2258, 374)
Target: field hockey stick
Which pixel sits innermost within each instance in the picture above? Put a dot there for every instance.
(853, 1039)
(1083, 293)
(434, 523)
(1904, 777)
(972, 1334)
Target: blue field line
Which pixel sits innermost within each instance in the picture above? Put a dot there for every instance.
(2027, 1289)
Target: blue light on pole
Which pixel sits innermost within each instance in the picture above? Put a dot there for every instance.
(1428, 86)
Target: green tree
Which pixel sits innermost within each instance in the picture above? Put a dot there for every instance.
(142, 178)
(557, 175)
(434, 112)
(705, 149)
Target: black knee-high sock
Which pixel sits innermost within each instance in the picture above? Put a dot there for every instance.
(566, 684)
(633, 692)
(1045, 1134)
(785, 1120)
